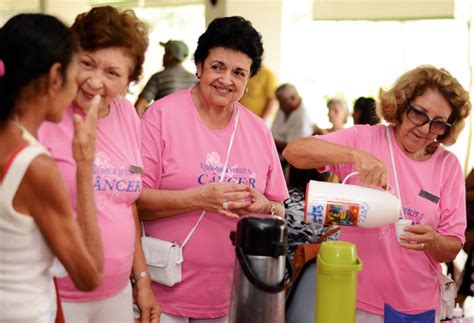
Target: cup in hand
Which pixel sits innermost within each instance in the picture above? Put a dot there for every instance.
(400, 225)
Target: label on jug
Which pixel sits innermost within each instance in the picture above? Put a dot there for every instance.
(336, 212)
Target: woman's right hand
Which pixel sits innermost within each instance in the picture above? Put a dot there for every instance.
(83, 142)
(372, 171)
(214, 197)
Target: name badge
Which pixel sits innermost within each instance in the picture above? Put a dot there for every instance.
(136, 169)
(429, 196)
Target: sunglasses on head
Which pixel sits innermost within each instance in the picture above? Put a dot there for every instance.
(420, 118)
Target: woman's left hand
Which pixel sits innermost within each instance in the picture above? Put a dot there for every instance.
(259, 204)
(149, 309)
(419, 237)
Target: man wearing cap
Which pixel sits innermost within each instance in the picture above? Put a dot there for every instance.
(173, 78)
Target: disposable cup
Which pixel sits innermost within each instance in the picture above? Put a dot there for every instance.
(400, 225)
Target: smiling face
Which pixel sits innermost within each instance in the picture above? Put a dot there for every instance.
(104, 72)
(223, 76)
(414, 139)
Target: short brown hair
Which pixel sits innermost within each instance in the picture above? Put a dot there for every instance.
(394, 101)
(105, 27)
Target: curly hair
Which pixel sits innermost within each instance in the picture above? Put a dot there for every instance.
(105, 27)
(234, 33)
(394, 101)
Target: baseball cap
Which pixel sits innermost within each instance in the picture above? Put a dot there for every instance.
(177, 48)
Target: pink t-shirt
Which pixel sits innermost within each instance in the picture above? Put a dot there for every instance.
(180, 152)
(116, 187)
(391, 274)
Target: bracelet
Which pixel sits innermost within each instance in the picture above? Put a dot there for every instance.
(139, 276)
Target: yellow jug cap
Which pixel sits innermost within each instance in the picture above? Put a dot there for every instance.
(338, 253)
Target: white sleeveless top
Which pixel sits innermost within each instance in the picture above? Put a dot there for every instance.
(27, 292)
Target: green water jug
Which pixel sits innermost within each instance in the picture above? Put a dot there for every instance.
(336, 286)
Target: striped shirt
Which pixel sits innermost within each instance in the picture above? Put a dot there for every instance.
(171, 79)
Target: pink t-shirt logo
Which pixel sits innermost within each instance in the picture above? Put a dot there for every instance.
(212, 170)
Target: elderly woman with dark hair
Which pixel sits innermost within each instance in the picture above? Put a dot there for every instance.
(112, 50)
(425, 108)
(203, 151)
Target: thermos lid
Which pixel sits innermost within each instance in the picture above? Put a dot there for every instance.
(261, 236)
(338, 253)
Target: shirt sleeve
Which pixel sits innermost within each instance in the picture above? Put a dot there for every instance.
(453, 204)
(271, 85)
(344, 137)
(151, 147)
(297, 128)
(151, 88)
(133, 118)
(275, 188)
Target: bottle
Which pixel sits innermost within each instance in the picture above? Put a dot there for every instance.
(457, 314)
(350, 205)
(337, 269)
(262, 270)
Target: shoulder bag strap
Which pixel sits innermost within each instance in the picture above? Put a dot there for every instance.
(229, 148)
(438, 274)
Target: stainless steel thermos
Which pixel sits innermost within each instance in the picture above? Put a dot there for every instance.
(262, 271)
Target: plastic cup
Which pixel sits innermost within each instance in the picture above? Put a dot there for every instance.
(400, 225)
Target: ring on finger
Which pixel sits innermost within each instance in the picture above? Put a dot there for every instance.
(225, 205)
(422, 246)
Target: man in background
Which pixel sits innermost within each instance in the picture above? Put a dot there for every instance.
(291, 120)
(173, 78)
(260, 95)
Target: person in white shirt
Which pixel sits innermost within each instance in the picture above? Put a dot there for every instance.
(291, 120)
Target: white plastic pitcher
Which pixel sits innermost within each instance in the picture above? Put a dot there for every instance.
(350, 205)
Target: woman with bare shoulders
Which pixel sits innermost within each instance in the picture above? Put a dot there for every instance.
(38, 65)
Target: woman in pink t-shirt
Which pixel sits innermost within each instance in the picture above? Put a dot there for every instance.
(186, 145)
(425, 108)
(112, 50)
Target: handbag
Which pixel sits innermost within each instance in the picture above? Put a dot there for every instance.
(165, 258)
(447, 286)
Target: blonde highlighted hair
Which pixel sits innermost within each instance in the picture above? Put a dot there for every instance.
(394, 101)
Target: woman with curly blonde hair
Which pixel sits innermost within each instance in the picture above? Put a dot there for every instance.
(112, 45)
(425, 109)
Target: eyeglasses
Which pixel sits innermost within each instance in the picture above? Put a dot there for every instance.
(420, 118)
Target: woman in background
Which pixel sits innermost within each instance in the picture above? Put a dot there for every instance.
(112, 48)
(365, 111)
(38, 66)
